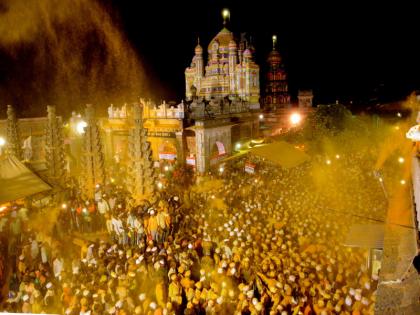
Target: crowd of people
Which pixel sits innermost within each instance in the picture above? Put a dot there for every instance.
(263, 243)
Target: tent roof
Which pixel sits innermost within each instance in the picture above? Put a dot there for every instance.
(282, 153)
(366, 236)
(17, 181)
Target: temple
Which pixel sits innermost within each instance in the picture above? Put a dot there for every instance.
(276, 90)
(230, 71)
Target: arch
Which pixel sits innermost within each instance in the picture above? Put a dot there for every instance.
(217, 152)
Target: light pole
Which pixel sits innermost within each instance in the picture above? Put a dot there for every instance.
(2, 144)
(378, 175)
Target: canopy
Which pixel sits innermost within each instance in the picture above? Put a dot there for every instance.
(282, 153)
(366, 236)
(17, 181)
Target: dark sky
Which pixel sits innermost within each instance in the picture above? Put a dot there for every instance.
(342, 50)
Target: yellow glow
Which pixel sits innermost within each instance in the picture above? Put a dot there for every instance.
(274, 37)
(337, 156)
(328, 162)
(221, 169)
(237, 146)
(295, 118)
(112, 180)
(402, 182)
(80, 127)
(2, 208)
(261, 116)
(397, 127)
(160, 185)
(64, 206)
(399, 115)
(2, 141)
(166, 168)
(401, 160)
(225, 14)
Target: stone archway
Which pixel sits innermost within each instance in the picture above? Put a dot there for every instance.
(217, 152)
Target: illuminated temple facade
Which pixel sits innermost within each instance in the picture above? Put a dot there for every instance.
(230, 71)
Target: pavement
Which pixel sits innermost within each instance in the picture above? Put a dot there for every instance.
(400, 247)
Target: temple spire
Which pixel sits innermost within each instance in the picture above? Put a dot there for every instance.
(274, 38)
(226, 16)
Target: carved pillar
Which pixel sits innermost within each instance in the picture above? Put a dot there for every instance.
(13, 145)
(202, 163)
(180, 147)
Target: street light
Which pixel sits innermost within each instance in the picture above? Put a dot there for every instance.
(80, 127)
(261, 116)
(401, 160)
(166, 168)
(221, 169)
(295, 118)
(238, 146)
(402, 181)
(328, 162)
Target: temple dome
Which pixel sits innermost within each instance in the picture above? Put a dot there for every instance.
(198, 49)
(224, 37)
(247, 53)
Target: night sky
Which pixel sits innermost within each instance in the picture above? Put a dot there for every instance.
(342, 51)
(365, 53)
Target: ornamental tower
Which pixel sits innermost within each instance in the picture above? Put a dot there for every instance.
(54, 151)
(276, 90)
(141, 176)
(93, 172)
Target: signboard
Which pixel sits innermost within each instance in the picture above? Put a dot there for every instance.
(161, 134)
(167, 156)
(191, 161)
(249, 168)
(220, 148)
